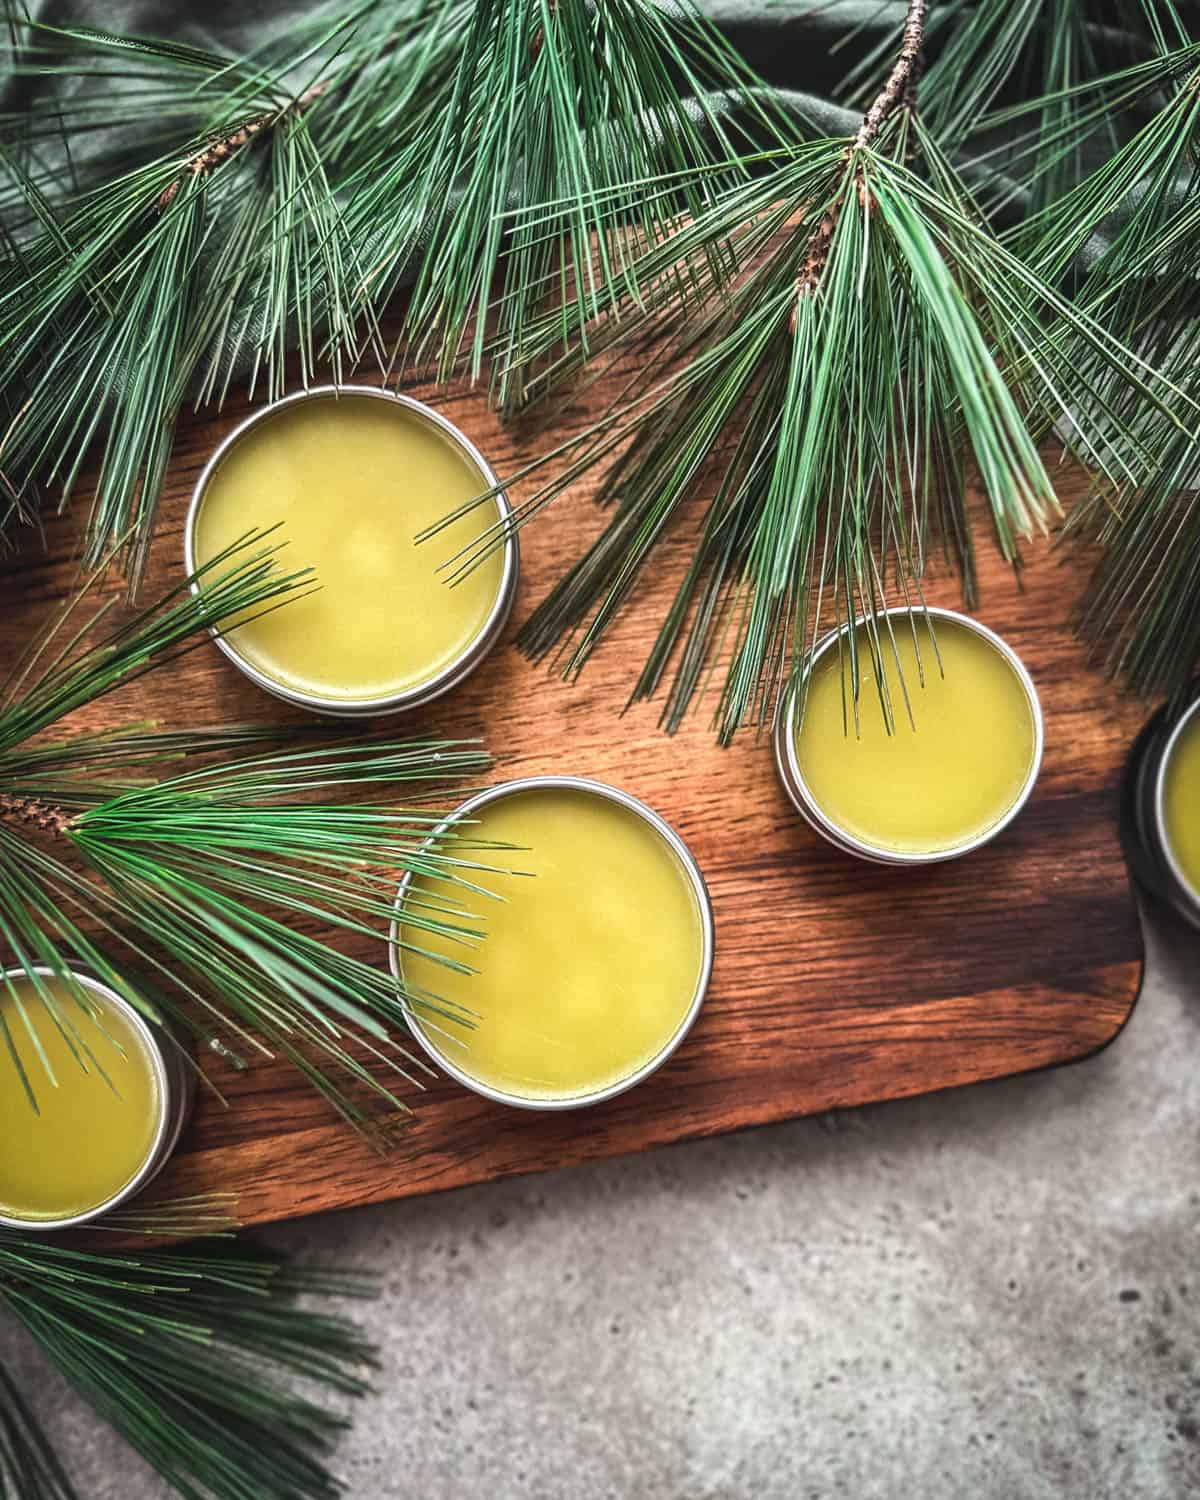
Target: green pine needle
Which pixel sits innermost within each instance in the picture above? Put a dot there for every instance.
(29, 1466)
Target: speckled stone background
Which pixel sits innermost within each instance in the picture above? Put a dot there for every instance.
(993, 1294)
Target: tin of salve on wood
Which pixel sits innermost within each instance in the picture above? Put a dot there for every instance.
(1160, 807)
(350, 475)
(109, 1112)
(595, 958)
(1177, 806)
(954, 767)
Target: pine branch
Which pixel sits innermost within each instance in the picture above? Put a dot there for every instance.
(1143, 608)
(416, 128)
(211, 157)
(562, 105)
(873, 335)
(33, 812)
(896, 90)
(195, 882)
(981, 49)
(192, 1356)
(29, 1467)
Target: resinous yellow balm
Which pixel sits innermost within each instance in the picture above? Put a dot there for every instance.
(96, 1125)
(593, 963)
(1181, 803)
(957, 761)
(351, 478)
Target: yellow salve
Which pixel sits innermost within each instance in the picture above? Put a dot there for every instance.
(1181, 802)
(939, 781)
(590, 962)
(352, 480)
(94, 1129)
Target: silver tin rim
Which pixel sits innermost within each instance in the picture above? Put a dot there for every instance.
(470, 657)
(1160, 812)
(788, 764)
(690, 868)
(176, 1087)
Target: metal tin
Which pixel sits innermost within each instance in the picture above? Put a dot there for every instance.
(1186, 889)
(175, 1089)
(1143, 824)
(794, 784)
(707, 927)
(454, 672)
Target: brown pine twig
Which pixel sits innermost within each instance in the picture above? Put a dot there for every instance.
(900, 89)
(207, 161)
(34, 812)
(907, 64)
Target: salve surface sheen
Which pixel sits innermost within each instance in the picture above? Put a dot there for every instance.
(1181, 802)
(351, 480)
(590, 962)
(939, 781)
(90, 1139)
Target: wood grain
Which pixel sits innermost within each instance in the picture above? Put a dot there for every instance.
(836, 982)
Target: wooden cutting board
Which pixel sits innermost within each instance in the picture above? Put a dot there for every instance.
(836, 982)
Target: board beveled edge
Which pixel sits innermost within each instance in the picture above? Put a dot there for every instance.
(354, 1176)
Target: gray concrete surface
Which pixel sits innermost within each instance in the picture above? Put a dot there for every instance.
(993, 1294)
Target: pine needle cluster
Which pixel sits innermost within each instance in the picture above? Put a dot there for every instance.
(254, 205)
(194, 1356)
(875, 334)
(195, 858)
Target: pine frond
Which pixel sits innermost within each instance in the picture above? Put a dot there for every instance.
(203, 882)
(221, 246)
(1134, 227)
(193, 1357)
(875, 337)
(255, 205)
(560, 102)
(1050, 52)
(105, 361)
(29, 1467)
